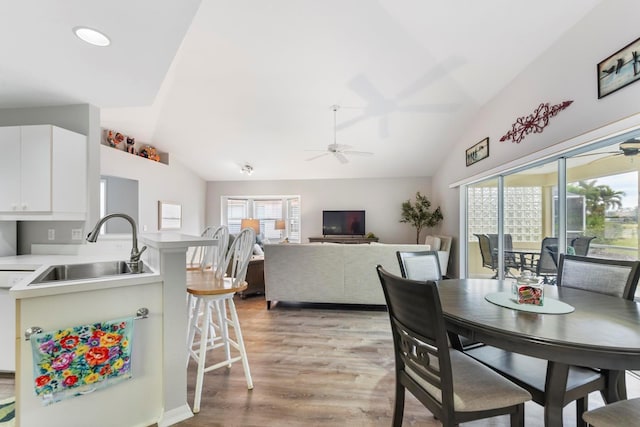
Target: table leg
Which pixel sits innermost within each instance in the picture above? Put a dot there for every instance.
(555, 387)
(616, 387)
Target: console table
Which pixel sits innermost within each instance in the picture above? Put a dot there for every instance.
(342, 239)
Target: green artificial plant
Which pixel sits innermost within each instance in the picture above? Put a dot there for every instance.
(419, 215)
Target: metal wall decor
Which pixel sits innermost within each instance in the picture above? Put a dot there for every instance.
(534, 122)
(478, 152)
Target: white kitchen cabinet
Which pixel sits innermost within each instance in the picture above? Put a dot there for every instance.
(43, 173)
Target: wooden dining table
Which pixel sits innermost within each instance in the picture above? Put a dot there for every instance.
(602, 332)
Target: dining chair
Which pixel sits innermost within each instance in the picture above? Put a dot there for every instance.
(213, 294)
(611, 277)
(420, 265)
(546, 265)
(453, 386)
(617, 414)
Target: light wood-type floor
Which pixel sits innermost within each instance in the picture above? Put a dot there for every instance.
(317, 366)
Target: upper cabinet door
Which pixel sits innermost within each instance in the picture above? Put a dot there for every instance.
(35, 174)
(10, 168)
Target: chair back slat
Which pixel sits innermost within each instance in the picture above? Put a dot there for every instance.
(606, 276)
(419, 333)
(239, 255)
(419, 265)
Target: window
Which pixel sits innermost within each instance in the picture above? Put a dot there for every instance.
(267, 209)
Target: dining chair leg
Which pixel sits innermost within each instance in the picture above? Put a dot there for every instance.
(398, 409)
(517, 418)
(240, 340)
(582, 405)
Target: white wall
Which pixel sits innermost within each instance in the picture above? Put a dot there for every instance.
(157, 181)
(380, 198)
(567, 71)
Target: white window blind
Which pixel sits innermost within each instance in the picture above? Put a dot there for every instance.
(237, 209)
(268, 211)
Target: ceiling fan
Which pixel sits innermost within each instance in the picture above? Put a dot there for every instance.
(628, 148)
(339, 151)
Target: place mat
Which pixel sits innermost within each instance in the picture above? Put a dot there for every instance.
(551, 305)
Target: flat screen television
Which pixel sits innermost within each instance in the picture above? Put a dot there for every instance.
(343, 223)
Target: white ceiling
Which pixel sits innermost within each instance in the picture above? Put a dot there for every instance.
(253, 81)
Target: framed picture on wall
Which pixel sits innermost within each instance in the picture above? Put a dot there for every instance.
(619, 70)
(169, 215)
(478, 152)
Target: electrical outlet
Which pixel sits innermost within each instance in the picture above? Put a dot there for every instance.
(51, 234)
(144, 228)
(76, 234)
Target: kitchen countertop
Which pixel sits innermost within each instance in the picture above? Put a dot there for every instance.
(39, 263)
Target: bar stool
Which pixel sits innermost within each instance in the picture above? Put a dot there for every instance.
(214, 296)
(208, 258)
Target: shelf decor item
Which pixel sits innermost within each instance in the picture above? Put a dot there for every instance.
(619, 70)
(478, 152)
(534, 122)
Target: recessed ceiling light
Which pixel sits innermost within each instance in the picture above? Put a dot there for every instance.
(92, 36)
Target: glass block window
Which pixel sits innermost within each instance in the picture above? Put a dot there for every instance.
(522, 212)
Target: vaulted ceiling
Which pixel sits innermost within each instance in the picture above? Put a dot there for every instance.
(223, 83)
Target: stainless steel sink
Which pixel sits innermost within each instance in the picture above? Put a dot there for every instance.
(64, 272)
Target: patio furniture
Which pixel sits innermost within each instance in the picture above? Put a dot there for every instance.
(453, 386)
(488, 244)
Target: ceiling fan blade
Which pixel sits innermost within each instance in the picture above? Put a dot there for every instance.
(433, 108)
(350, 122)
(361, 85)
(317, 157)
(341, 157)
(358, 153)
(383, 126)
(436, 72)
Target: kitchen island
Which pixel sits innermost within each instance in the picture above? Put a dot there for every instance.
(156, 393)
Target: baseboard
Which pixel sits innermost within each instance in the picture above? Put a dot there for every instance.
(174, 416)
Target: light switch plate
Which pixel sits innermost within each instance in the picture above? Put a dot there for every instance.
(51, 234)
(76, 234)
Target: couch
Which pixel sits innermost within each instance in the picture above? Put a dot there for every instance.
(441, 244)
(329, 272)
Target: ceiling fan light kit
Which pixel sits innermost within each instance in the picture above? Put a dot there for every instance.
(339, 151)
(247, 168)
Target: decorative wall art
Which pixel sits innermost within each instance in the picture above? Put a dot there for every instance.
(619, 70)
(534, 122)
(478, 152)
(169, 215)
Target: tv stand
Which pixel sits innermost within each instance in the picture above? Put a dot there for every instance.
(342, 239)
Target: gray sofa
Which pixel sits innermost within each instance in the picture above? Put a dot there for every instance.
(329, 272)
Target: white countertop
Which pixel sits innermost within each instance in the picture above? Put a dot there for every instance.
(39, 263)
(174, 240)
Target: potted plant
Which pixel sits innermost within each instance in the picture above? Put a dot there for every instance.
(419, 214)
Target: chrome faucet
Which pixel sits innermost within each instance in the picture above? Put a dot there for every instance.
(135, 263)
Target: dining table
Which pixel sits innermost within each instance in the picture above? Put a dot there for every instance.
(601, 332)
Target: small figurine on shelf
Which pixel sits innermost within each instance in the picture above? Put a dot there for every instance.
(130, 145)
(118, 138)
(110, 140)
(150, 153)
